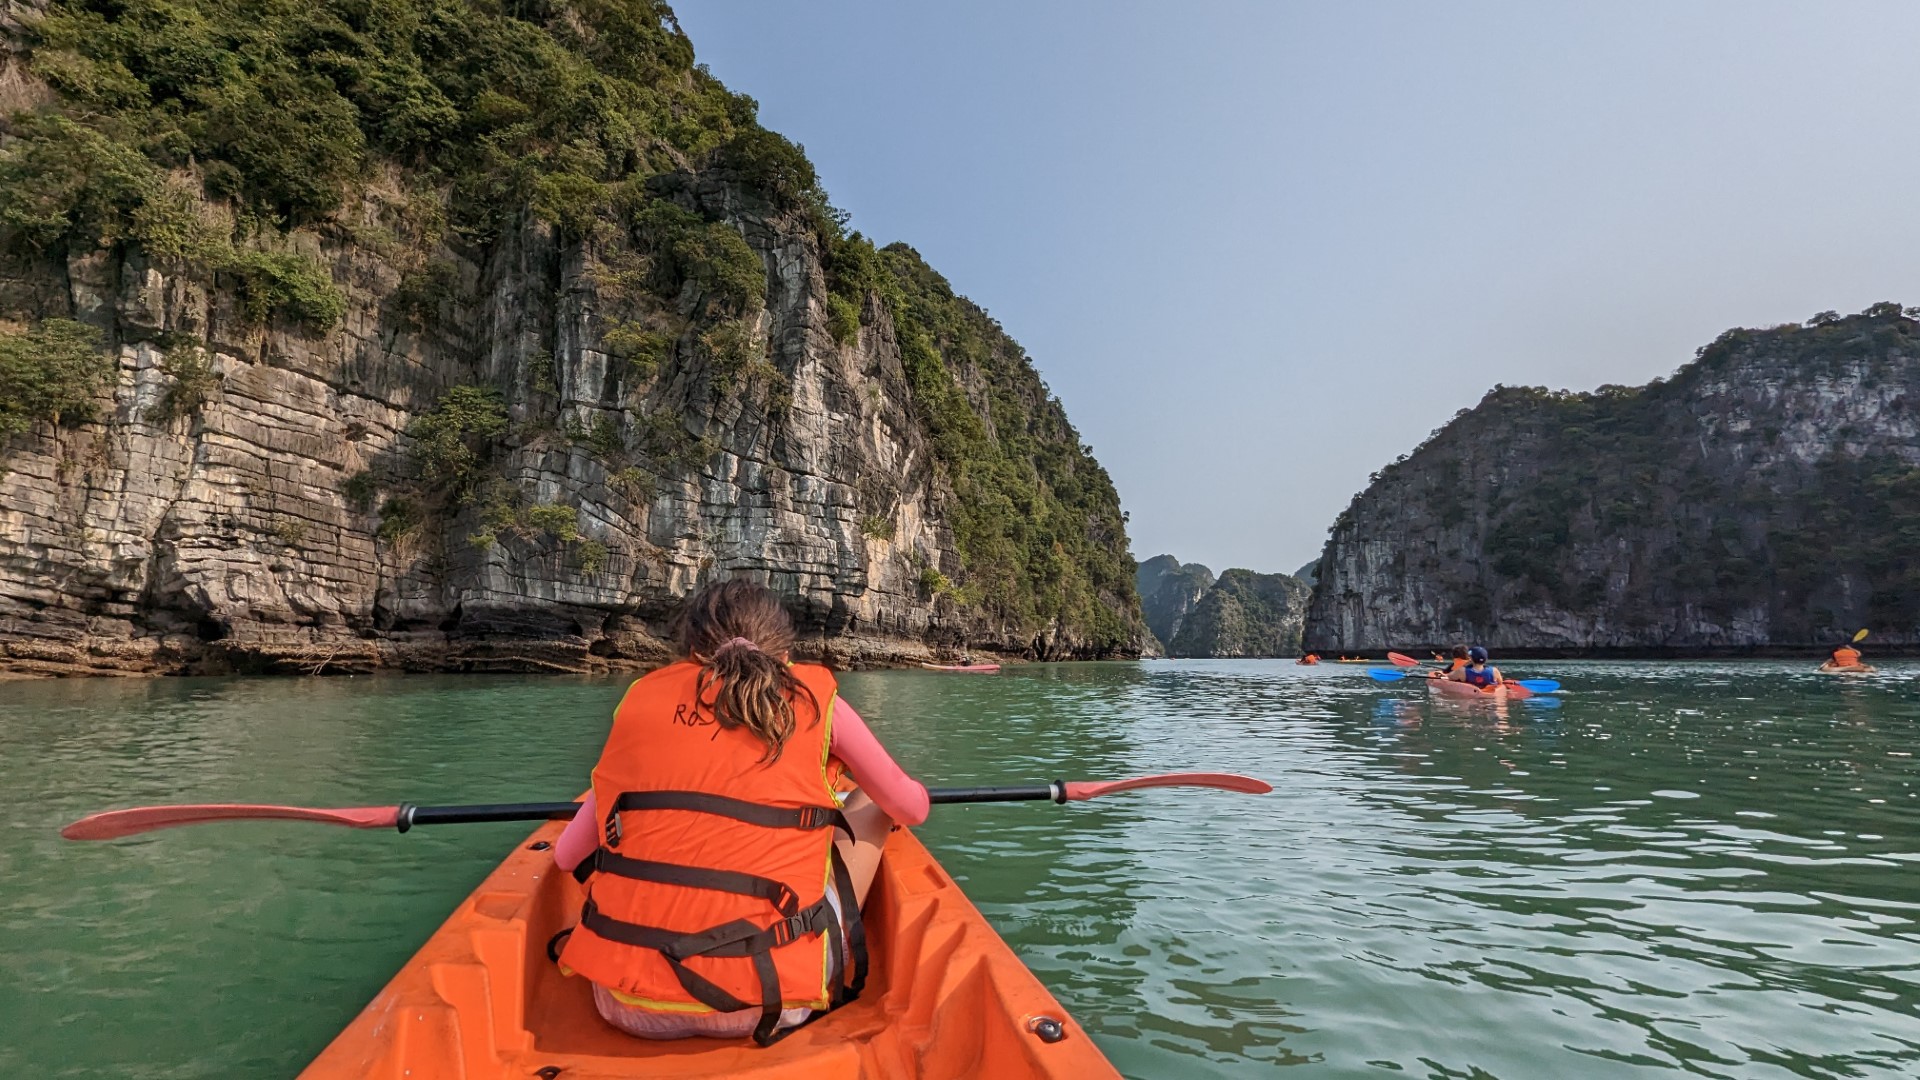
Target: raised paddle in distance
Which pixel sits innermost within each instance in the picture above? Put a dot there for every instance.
(113, 824)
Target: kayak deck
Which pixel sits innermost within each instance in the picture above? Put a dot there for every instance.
(946, 997)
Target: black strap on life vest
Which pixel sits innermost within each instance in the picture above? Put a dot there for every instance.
(741, 937)
(853, 949)
(773, 892)
(752, 813)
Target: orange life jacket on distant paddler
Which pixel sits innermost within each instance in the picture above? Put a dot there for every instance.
(709, 890)
(1846, 657)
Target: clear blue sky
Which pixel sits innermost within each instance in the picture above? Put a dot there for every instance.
(1262, 248)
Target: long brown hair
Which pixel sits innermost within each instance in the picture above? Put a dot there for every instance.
(739, 633)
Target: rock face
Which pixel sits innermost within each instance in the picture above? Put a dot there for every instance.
(515, 448)
(1244, 615)
(1767, 495)
(1168, 592)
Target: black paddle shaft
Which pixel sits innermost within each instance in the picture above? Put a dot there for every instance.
(411, 815)
(1054, 792)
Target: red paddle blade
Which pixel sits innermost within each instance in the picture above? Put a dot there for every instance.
(113, 824)
(1091, 789)
(1403, 659)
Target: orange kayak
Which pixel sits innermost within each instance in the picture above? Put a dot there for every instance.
(946, 998)
(1468, 692)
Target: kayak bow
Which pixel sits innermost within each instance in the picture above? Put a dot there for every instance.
(946, 998)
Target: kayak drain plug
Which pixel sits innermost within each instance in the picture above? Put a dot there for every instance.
(548, 1072)
(1049, 1029)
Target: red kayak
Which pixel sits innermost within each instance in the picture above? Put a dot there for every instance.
(1448, 688)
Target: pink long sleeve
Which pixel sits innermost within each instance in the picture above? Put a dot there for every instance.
(580, 837)
(902, 797)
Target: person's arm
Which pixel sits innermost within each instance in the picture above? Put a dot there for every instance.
(902, 797)
(580, 837)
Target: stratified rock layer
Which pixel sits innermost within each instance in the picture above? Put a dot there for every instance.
(1766, 496)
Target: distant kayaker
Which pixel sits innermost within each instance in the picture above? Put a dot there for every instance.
(1459, 661)
(1477, 671)
(1844, 656)
(712, 835)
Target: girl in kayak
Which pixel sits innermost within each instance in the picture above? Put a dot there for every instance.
(724, 874)
(1477, 672)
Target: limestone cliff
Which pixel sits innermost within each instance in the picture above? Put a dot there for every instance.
(427, 336)
(1244, 614)
(1168, 592)
(1767, 495)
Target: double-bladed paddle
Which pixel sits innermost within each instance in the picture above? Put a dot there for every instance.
(113, 824)
(1538, 686)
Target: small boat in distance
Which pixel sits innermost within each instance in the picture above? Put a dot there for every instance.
(969, 669)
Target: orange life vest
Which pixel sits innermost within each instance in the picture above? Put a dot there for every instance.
(1845, 657)
(709, 892)
(1458, 663)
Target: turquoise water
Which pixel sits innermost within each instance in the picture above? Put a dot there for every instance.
(1712, 868)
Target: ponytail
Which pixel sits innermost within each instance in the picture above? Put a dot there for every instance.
(739, 633)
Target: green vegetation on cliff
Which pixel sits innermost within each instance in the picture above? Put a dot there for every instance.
(1037, 521)
(286, 106)
(1244, 614)
(1618, 462)
(50, 372)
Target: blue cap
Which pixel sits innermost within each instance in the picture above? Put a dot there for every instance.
(1477, 654)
